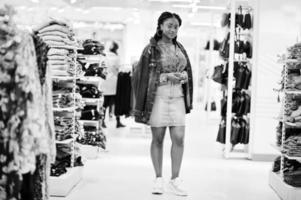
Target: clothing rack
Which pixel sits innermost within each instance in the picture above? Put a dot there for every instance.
(229, 151)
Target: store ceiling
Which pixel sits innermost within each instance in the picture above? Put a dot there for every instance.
(143, 4)
(139, 4)
(115, 11)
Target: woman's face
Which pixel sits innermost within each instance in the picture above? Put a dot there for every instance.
(170, 28)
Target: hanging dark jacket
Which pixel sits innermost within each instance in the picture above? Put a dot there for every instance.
(145, 81)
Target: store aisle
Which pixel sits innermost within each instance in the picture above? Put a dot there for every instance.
(125, 172)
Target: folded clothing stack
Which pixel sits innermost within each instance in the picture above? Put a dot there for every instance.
(61, 99)
(91, 114)
(95, 70)
(295, 51)
(64, 128)
(292, 146)
(92, 47)
(93, 137)
(59, 37)
(63, 160)
(292, 172)
(89, 91)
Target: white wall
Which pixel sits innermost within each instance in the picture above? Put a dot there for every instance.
(278, 28)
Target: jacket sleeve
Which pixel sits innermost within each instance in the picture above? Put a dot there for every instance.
(140, 80)
(188, 85)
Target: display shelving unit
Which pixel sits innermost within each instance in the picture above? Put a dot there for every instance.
(244, 152)
(62, 185)
(284, 190)
(92, 152)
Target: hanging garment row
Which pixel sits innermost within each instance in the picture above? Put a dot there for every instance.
(243, 19)
(241, 47)
(216, 45)
(240, 106)
(242, 74)
(26, 118)
(123, 94)
(239, 131)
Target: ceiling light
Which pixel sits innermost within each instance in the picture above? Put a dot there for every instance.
(73, 1)
(199, 7)
(86, 11)
(184, 1)
(21, 8)
(35, 1)
(205, 24)
(107, 8)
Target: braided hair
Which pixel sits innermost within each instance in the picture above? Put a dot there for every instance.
(164, 16)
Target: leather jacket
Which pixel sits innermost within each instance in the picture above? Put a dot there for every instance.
(145, 81)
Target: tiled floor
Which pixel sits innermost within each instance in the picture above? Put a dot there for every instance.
(125, 171)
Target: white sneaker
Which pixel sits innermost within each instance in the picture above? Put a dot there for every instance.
(175, 187)
(158, 187)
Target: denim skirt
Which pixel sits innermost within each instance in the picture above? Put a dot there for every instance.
(169, 107)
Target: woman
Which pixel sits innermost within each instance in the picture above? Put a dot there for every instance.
(110, 84)
(162, 82)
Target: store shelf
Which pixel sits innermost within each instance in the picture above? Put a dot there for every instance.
(69, 109)
(286, 61)
(63, 78)
(68, 47)
(61, 186)
(292, 91)
(93, 100)
(245, 34)
(64, 141)
(293, 125)
(89, 152)
(278, 119)
(91, 59)
(90, 80)
(283, 190)
(293, 158)
(90, 122)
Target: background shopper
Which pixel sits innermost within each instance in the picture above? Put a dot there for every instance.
(110, 84)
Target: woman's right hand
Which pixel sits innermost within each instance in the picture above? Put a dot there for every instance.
(173, 78)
